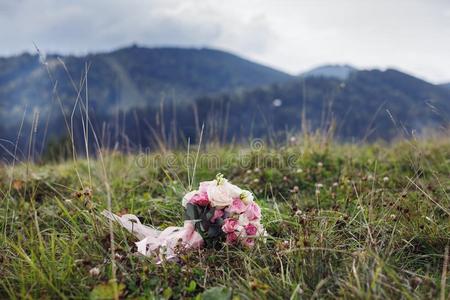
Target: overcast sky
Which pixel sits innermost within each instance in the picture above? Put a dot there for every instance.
(412, 35)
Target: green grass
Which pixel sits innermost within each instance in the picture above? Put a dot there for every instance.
(345, 221)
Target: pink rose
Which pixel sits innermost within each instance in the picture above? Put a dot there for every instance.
(249, 242)
(253, 211)
(237, 206)
(230, 225)
(251, 229)
(200, 199)
(218, 213)
(232, 238)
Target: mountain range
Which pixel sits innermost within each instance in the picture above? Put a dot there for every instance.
(445, 85)
(143, 96)
(331, 71)
(128, 78)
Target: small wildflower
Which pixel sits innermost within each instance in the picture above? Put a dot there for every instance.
(284, 245)
(415, 282)
(94, 272)
(317, 192)
(320, 164)
(299, 170)
(256, 180)
(295, 189)
(335, 184)
(319, 185)
(385, 179)
(249, 171)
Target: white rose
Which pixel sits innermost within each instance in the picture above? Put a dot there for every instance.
(221, 193)
(233, 190)
(246, 196)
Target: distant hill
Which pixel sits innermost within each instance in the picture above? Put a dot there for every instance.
(132, 77)
(370, 105)
(331, 71)
(445, 85)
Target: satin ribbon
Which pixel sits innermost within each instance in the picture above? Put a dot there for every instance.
(153, 241)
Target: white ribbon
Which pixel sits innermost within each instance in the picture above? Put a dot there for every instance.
(153, 240)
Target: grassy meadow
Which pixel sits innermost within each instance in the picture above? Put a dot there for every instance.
(345, 221)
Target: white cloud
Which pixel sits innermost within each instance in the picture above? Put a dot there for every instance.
(291, 35)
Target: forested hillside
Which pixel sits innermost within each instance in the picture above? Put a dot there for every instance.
(143, 97)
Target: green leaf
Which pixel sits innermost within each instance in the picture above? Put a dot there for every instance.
(106, 291)
(217, 293)
(192, 286)
(214, 231)
(191, 212)
(206, 224)
(219, 222)
(167, 293)
(210, 213)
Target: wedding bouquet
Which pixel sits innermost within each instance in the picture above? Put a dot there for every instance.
(215, 213)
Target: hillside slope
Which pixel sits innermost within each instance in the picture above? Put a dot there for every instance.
(372, 220)
(369, 104)
(445, 85)
(331, 71)
(126, 78)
